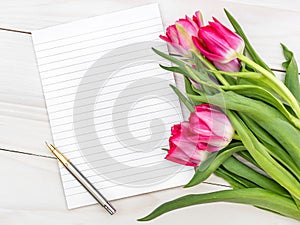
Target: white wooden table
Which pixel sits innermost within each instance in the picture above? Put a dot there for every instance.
(30, 186)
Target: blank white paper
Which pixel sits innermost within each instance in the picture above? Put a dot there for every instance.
(109, 103)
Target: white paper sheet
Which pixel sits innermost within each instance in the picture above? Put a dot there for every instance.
(109, 103)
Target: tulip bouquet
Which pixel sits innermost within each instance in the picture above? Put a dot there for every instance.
(246, 119)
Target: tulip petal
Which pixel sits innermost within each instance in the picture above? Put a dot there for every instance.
(179, 35)
(234, 40)
(165, 38)
(232, 66)
(189, 26)
(210, 56)
(211, 148)
(211, 127)
(183, 146)
(197, 18)
(216, 43)
(172, 34)
(183, 36)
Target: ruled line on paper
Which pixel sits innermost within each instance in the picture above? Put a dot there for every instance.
(45, 84)
(91, 53)
(99, 37)
(121, 127)
(96, 55)
(61, 124)
(135, 123)
(68, 179)
(99, 30)
(95, 124)
(62, 74)
(162, 132)
(107, 129)
(135, 173)
(98, 45)
(111, 149)
(119, 155)
(124, 161)
(102, 108)
(109, 187)
(104, 101)
(115, 84)
(97, 74)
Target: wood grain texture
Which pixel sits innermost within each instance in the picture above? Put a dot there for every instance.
(23, 115)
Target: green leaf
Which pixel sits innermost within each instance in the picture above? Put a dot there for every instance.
(246, 155)
(291, 77)
(170, 58)
(202, 175)
(253, 196)
(262, 94)
(185, 101)
(203, 70)
(242, 181)
(255, 57)
(173, 69)
(260, 153)
(205, 164)
(199, 64)
(200, 78)
(187, 70)
(220, 172)
(272, 145)
(210, 66)
(199, 92)
(240, 169)
(188, 86)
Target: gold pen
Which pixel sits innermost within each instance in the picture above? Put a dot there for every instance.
(79, 176)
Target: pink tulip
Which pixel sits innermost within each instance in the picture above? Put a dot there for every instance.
(213, 127)
(208, 129)
(179, 35)
(220, 45)
(183, 146)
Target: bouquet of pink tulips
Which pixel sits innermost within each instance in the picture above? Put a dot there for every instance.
(240, 113)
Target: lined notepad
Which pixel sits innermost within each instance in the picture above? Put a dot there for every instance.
(110, 105)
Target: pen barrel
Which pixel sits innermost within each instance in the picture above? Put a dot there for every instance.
(90, 188)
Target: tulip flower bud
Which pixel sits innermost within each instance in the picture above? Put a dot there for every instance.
(179, 35)
(183, 146)
(220, 45)
(213, 127)
(208, 129)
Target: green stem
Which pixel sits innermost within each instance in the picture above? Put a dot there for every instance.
(276, 84)
(236, 137)
(212, 67)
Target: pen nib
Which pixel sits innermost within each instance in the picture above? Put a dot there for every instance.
(47, 144)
